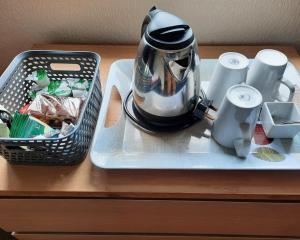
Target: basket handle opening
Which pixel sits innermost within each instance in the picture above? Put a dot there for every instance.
(65, 67)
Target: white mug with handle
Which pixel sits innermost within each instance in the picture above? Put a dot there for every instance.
(266, 75)
(237, 117)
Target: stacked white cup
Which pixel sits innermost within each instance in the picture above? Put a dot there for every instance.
(239, 105)
(230, 70)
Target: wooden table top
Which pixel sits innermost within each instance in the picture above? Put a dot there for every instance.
(85, 180)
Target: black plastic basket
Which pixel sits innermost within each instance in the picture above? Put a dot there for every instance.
(14, 94)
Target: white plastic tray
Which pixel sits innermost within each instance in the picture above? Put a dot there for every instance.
(123, 146)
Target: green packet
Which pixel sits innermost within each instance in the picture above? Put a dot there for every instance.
(58, 88)
(40, 77)
(26, 126)
(79, 84)
(70, 87)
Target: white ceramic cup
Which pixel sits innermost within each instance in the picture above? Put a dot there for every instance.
(237, 117)
(230, 70)
(266, 75)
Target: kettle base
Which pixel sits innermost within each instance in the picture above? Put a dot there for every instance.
(152, 123)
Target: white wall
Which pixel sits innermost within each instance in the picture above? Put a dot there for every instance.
(24, 22)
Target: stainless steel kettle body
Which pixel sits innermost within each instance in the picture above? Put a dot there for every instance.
(166, 79)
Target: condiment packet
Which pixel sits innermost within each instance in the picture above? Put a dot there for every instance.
(48, 107)
(26, 126)
(78, 84)
(80, 87)
(40, 77)
(34, 91)
(58, 88)
(66, 129)
(63, 88)
(51, 134)
(80, 94)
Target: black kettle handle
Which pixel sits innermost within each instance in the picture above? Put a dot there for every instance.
(148, 19)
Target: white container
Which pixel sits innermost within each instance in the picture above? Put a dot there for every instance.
(280, 119)
(230, 70)
(237, 117)
(266, 75)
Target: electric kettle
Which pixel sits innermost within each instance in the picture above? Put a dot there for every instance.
(166, 74)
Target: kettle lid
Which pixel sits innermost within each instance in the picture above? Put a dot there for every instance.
(169, 32)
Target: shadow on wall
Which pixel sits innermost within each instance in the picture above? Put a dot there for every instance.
(23, 23)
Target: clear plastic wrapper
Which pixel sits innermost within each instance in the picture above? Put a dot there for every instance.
(47, 107)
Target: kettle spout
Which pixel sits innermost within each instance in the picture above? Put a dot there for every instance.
(180, 68)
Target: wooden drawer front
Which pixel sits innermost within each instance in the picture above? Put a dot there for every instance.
(150, 216)
(128, 237)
